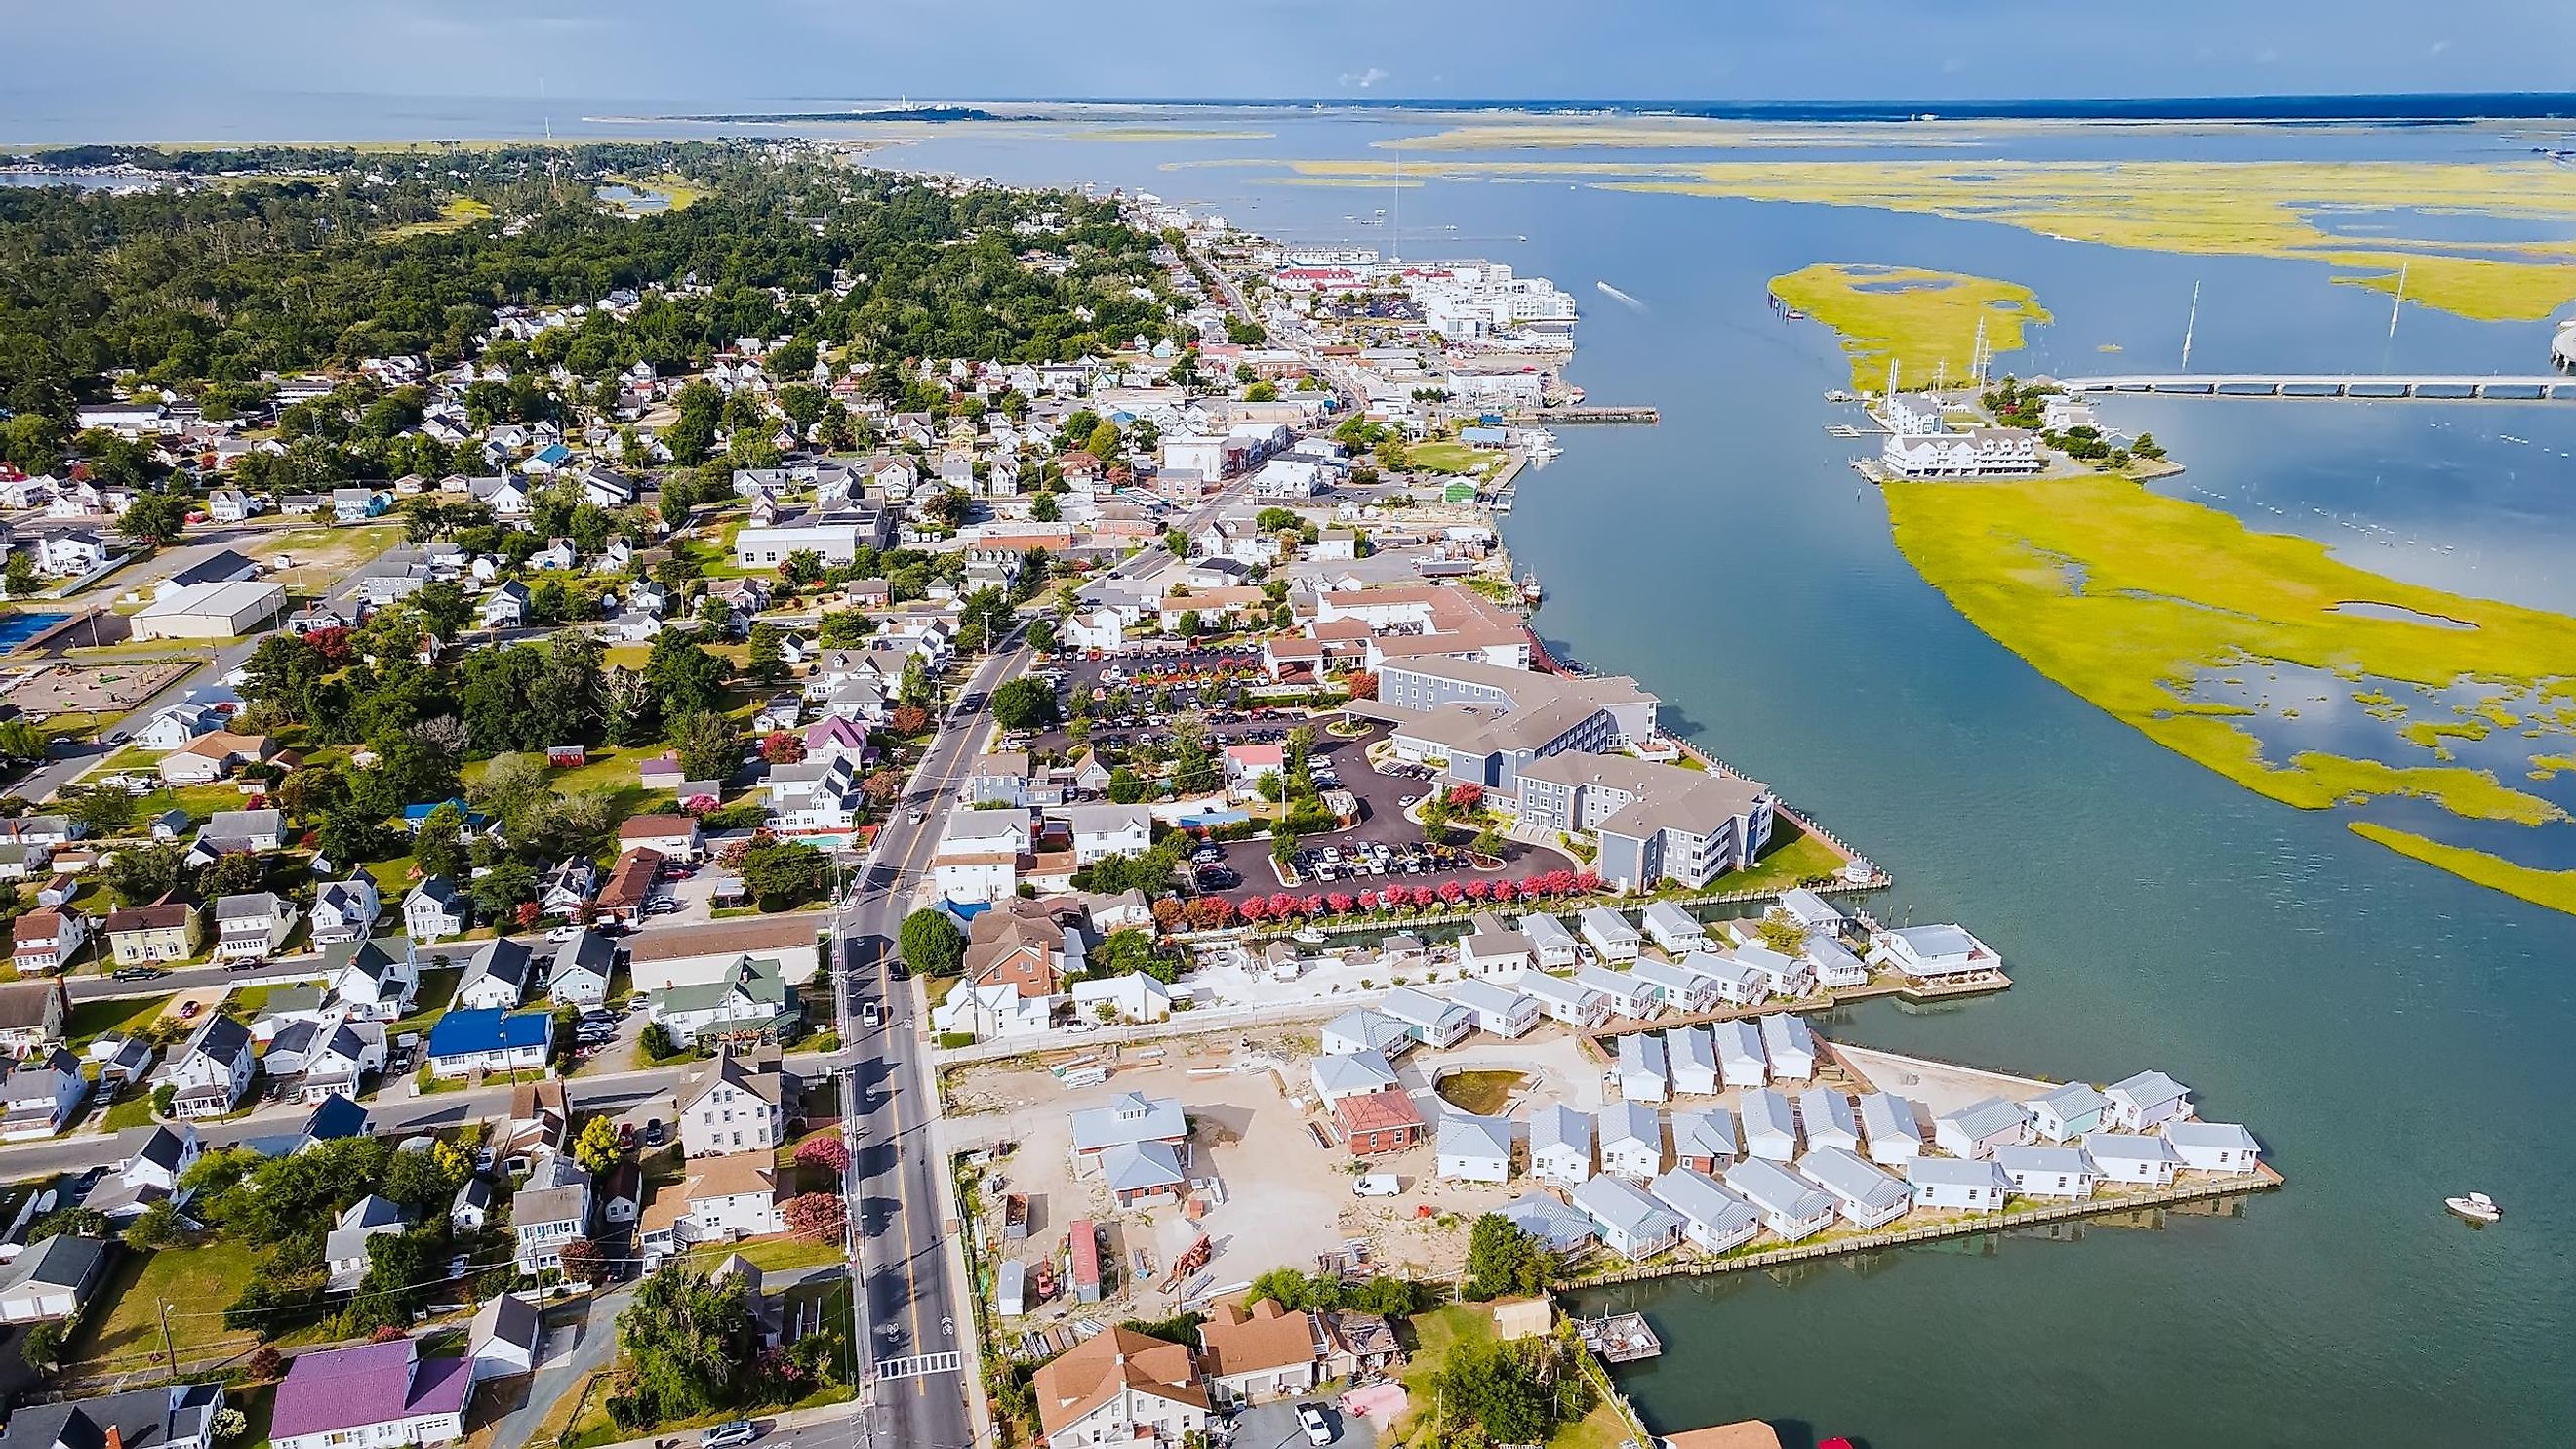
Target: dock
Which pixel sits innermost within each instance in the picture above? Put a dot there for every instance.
(1581, 413)
(1624, 1338)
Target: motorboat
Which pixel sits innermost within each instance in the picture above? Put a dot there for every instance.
(2477, 1207)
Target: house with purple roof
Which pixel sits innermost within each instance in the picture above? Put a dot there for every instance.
(376, 1394)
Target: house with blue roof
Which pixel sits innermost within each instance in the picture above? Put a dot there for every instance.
(491, 1040)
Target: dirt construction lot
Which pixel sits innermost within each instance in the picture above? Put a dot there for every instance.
(105, 689)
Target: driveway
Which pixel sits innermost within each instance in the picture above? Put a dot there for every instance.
(1275, 1426)
(572, 1350)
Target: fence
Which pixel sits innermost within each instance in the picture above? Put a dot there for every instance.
(2262, 1179)
(1180, 1023)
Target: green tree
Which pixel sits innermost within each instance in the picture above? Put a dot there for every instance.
(784, 874)
(688, 1341)
(1126, 787)
(1025, 704)
(1044, 509)
(765, 659)
(1505, 1262)
(235, 872)
(709, 744)
(596, 1146)
(684, 675)
(437, 848)
(502, 888)
(141, 874)
(931, 943)
(20, 575)
(154, 518)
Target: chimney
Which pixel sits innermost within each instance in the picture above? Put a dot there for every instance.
(115, 1437)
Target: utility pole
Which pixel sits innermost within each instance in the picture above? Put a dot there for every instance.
(167, 1350)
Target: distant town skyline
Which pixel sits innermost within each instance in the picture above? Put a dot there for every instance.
(1643, 50)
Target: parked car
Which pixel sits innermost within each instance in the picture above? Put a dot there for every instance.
(1318, 1429)
(736, 1432)
(137, 973)
(869, 1015)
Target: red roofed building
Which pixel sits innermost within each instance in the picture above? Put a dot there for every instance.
(1373, 1123)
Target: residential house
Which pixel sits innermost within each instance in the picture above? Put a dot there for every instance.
(345, 1250)
(378, 1394)
(1865, 1196)
(436, 909)
(471, 1208)
(2065, 1112)
(676, 836)
(1713, 1219)
(2048, 1171)
(1741, 1059)
(503, 1339)
(1129, 1121)
(32, 1015)
(752, 1005)
(1118, 1389)
(1631, 1222)
(2132, 1158)
(1678, 987)
(1977, 1129)
(1101, 831)
(731, 1196)
(214, 756)
(1632, 1140)
(213, 1069)
(1782, 975)
(48, 938)
(1704, 1141)
(1557, 1228)
(176, 1416)
(1364, 1029)
(1560, 1144)
(1692, 1054)
(2221, 1147)
(1496, 1009)
(162, 931)
(370, 980)
(1609, 934)
(345, 911)
(1677, 931)
(1475, 1149)
(1643, 1073)
(43, 1093)
(581, 971)
(1349, 1074)
(253, 926)
(1571, 1002)
(1790, 1047)
(1770, 1125)
(550, 1209)
(1888, 1123)
(1628, 994)
(52, 1278)
(330, 1058)
(1254, 1354)
(1791, 1207)
(1826, 1119)
(1551, 942)
(732, 1104)
(1958, 1184)
(1491, 952)
(1931, 953)
(465, 1042)
(496, 977)
(2146, 1100)
(566, 890)
(1371, 1124)
(1430, 1020)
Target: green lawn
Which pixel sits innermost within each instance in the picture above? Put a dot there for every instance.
(1800, 857)
(1450, 456)
(200, 801)
(90, 1020)
(196, 1283)
(437, 989)
(775, 1254)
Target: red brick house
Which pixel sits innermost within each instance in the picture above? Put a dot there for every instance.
(1373, 1123)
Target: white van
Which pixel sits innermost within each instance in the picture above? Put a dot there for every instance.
(1377, 1184)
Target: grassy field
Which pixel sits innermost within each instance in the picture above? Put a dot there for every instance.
(683, 193)
(90, 1020)
(1480, 1093)
(2170, 589)
(1447, 455)
(196, 1283)
(2204, 208)
(771, 1255)
(1923, 320)
(1794, 857)
(458, 214)
(322, 556)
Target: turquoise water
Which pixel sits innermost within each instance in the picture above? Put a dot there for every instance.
(2387, 1030)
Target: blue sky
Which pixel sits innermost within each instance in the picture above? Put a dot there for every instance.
(1643, 49)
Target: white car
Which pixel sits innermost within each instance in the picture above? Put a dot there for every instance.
(918, 817)
(563, 933)
(1311, 1419)
(1377, 1184)
(868, 1015)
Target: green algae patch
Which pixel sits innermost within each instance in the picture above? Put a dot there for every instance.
(2555, 889)
(1925, 321)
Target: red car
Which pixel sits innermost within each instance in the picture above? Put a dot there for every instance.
(189, 1009)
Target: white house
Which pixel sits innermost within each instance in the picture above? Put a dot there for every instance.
(346, 910)
(213, 1070)
(1677, 931)
(1553, 943)
(1570, 1002)
(1929, 953)
(1789, 976)
(1497, 1009)
(1101, 831)
(1363, 1029)
(436, 909)
(2132, 1158)
(1887, 1123)
(1826, 1119)
(1432, 1021)
(2146, 1100)
(1632, 1140)
(1836, 968)
(1790, 1205)
(1475, 1149)
(2048, 1171)
(1790, 1046)
(1490, 952)
(1609, 933)
(1865, 1196)
(1628, 994)
(1680, 988)
(1713, 1219)
(1977, 1129)
(2065, 1112)
(1705, 1139)
(1770, 1125)
(1632, 1223)
(1350, 1074)
(1741, 1060)
(1560, 1144)
(1691, 1054)
(1643, 1075)
(1959, 1184)
(2215, 1146)
(1730, 982)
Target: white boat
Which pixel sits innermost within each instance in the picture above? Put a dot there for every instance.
(2477, 1207)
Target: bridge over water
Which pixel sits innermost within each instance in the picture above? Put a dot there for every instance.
(2429, 386)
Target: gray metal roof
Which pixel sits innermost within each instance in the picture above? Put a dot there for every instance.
(1828, 1110)
(1690, 1046)
(1620, 1206)
(1739, 1040)
(1551, 1222)
(2043, 1159)
(2126, 1147)
(1352, 1072)
(1705, 1134)
(1704, 1200)
(1784, 1033)
(2211, 1136)
(1775, 1189)
(1631, 1123)
(2073, 1100)
(1884, 1114)
(1987, 1116)
(1557, 1125)
(1140, 1166)
(1486, 996)
(1955, 1172)
(1642, 1052)
(1483, 1139)
(1852, 1180)
(1767, 1111)
(2150, 1089)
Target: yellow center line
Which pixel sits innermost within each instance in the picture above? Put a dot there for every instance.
(894, 1102)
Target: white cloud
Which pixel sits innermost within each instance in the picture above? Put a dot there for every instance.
(2437, 47)
(1364, 79)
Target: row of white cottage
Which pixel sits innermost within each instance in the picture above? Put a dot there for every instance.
(1724, 1188)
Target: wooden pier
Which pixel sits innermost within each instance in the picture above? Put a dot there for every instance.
(1623, 1338)
(2199, 1190)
